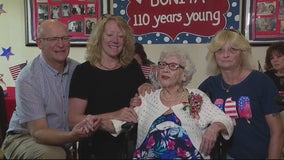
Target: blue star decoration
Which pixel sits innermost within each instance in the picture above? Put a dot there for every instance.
(6, 52)
(1, 9)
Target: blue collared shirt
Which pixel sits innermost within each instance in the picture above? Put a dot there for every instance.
(42, 92)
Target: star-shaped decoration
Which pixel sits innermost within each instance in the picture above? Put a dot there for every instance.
(6, 52)
(1, 9)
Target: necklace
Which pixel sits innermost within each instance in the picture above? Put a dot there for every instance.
(178, 98)
(225, 89)
(108, 68)
(239, 77)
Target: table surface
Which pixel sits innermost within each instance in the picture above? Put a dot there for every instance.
(10, 102)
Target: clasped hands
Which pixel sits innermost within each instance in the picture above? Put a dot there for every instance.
(86, 127)
(92, 123)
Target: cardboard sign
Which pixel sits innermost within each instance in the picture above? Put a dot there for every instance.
(178, 21)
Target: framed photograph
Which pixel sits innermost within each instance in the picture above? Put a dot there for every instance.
(78, 15)
(263, 21)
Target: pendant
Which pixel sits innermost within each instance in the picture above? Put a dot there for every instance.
(227, 90)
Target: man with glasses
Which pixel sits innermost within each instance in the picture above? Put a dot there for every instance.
(39, 126)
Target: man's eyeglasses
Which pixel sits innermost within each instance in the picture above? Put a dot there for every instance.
(64, 39)
(172, 66)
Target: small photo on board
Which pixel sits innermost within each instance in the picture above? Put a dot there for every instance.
(89, 25)
(266, 8)
(54, 12)
(78, 9)
(282, 27)
(42, 12)
(265, 24)
(91, 9)
(65, 9)
(75, 26)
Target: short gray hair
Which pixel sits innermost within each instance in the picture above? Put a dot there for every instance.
(41, 29)
(184, 58)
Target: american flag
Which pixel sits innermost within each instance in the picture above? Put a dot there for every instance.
(15, 70)
(219, 103)
(146, 70)
(230, 108)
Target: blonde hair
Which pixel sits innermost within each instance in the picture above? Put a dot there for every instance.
(94, 45)
(237, 40)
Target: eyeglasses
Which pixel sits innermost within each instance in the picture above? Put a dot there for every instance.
(172, 66)
(64, 39)
(231, 50)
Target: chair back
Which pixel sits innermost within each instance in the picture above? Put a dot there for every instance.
(3, 117)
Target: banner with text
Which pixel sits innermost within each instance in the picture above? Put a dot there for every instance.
(178, 21)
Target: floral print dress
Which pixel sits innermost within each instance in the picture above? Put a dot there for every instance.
(167, 140)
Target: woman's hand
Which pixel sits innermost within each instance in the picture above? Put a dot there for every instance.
(135, 101)
(93, 122)
(209, 138)
(126, 114)
(146, 87)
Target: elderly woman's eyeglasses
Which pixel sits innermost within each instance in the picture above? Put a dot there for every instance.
(172, 66)
(64, 39)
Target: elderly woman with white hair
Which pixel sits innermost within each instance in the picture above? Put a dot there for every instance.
(176, 121)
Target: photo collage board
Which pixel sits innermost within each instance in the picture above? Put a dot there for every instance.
(267, 20)
(79, 15)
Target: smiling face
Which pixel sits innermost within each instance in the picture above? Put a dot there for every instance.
(171, 78)
(55, 51)
(113, 39)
